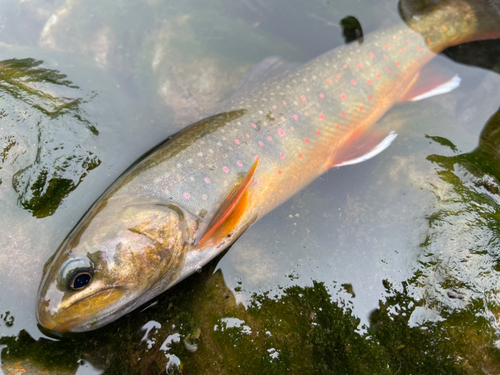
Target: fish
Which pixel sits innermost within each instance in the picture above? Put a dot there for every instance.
(191, 197)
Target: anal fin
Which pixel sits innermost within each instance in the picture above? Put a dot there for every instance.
(225, 218)
(362, 148)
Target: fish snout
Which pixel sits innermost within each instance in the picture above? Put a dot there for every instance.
(80, 313)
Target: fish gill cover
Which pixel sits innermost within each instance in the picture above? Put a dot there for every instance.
(38, 103)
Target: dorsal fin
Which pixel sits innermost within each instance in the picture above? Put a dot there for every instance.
(230, 203)
(267, 69)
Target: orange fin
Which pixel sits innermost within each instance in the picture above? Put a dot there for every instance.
(230, 203)
(432, 80)
(362, 148)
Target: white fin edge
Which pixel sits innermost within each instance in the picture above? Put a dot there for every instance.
(386, 142)
(451, 85)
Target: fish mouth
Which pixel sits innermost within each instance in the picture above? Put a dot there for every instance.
(81, 315)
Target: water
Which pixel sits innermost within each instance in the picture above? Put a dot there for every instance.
(387, 266)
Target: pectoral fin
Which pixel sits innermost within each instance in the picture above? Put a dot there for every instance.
(230, 205)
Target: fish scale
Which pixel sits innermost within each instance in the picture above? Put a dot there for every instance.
(301, 116)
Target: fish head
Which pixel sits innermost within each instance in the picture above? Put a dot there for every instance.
(122, 254)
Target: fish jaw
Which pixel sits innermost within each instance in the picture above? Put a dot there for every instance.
(79, 315)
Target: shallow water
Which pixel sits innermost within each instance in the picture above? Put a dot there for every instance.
(386, 266)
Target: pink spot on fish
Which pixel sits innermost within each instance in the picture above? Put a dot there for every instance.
(207, 180)
(225, 169)
(322, 96)
(318, 132)
(255, 183)
(274, 107)
(345, 66)
(329, 80)
(295, 117)
(284, 103)
(321, 116)
(279, 171)
(403, 50)
(378, 76)
(247, 135)
(254, 126)
(342, 114)
(339, 75)
(282, 155)
(343, 96)
(408, 41)
(219, 144)
(419, 48)
(353, 81)
(256, 157)
(385, 56)
(306, 140)
(369, 97)
(281, 132)
(239, 162)
(292, 128)
(261, 144)
(398, 63)
(411, 31)
(388, 69)
(269, 138)
(204, 197)
(237, 141)
(369, 81)
(372, 54)
(388, 46)
(360, 65)
(303, 98)
(187, 195)
(337, 126)
(360, 108)
(300, 156)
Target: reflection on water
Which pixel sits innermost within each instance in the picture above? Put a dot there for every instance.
(390, 266)
(460, 259)
(37, 102)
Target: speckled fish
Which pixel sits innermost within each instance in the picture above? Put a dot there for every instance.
(192, 197)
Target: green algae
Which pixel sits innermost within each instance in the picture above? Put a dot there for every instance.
(464, 270)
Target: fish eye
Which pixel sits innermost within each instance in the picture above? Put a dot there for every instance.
(75, 274)
(80, 280)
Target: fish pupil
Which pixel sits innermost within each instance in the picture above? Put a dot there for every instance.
(80, 280)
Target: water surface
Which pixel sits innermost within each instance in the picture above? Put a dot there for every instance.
(386, 266)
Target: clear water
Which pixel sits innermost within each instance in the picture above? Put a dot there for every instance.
(387, 266)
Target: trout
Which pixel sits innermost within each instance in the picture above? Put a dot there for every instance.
(193, 196)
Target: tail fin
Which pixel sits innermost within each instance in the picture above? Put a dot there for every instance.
(471, 19)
